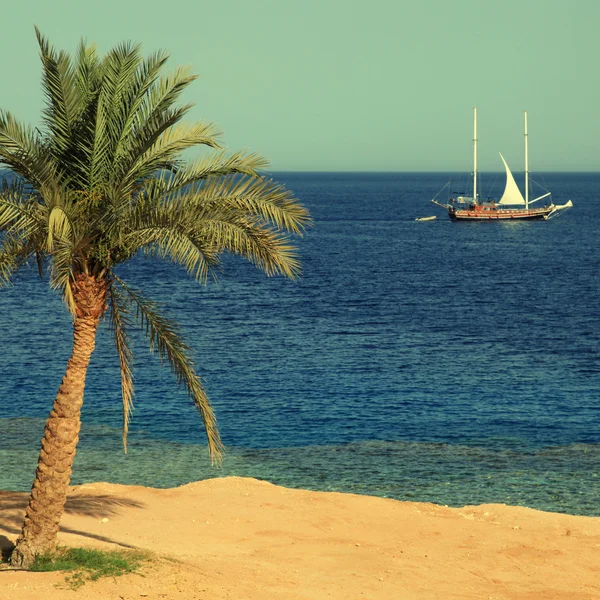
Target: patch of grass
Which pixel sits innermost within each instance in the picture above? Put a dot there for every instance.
(88, 564)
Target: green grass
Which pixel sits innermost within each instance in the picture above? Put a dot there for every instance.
(87, 564)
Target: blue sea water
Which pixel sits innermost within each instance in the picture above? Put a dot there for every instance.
(436, 361)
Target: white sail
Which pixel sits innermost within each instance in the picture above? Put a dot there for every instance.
(512, 193)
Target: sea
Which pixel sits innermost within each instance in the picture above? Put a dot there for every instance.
(444, 362)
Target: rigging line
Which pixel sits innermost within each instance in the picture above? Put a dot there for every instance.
(491, 188)
(538, 184)
(442, 190)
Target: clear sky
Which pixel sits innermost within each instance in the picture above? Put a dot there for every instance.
(378, 85)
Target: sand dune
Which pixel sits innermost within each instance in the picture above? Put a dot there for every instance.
(237, 538)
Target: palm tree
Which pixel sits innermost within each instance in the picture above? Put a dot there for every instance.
(100, 182)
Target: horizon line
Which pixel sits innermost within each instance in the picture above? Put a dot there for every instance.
(421, 171)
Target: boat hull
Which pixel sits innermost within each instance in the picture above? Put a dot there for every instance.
(479, 213)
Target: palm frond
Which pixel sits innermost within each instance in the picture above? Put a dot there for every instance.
(98, 158)
(244, 216)
(212, 166)
(163, 147)
(259, 197)
(20, 150)
(57, 82)
(176, 139)
(62, 271)
(15, 215)
(22, 226)
(265, 248)
(14, 252)
(161, 98)
(121, 322)
(197, 246)
(39, 261)
(59, 225)
(164, 337)
(165, 228)
(154, 115)
(117, 69)
(197, 256)
(86, 77)
(134, 97)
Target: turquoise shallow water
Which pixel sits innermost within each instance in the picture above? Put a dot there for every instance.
(447, 362)
(558, 479)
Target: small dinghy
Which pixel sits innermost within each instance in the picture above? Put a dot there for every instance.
(426, 218)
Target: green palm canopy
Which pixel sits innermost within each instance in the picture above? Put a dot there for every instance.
(102, 180)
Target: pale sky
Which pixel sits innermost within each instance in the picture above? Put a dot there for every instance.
(333, 85)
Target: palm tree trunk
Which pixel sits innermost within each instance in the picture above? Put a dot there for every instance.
(61, 434)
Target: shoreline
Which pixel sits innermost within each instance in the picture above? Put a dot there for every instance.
(238, 537)
(557, 479)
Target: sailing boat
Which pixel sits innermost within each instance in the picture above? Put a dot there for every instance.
(512, 205)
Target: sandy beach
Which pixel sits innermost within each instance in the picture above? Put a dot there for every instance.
(238, 538)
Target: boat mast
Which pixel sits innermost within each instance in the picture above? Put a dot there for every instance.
(526, 167)
(475, 155)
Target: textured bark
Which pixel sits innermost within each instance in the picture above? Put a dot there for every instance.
(61, 434)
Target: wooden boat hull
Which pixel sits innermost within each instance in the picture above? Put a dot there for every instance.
(483, 213)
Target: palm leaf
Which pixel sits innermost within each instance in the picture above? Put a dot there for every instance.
(86, 77)
(59, 225)
(155, 114)
(216, 165)
(21, 151)
(57, 81)
(268, 250)
(260, 197)
(169, 231)
(164, 337)
(14, 252)
(133, 99)
(163, 147)
(63, 270)
(15, 215)
(121, 322)
(196, 255)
